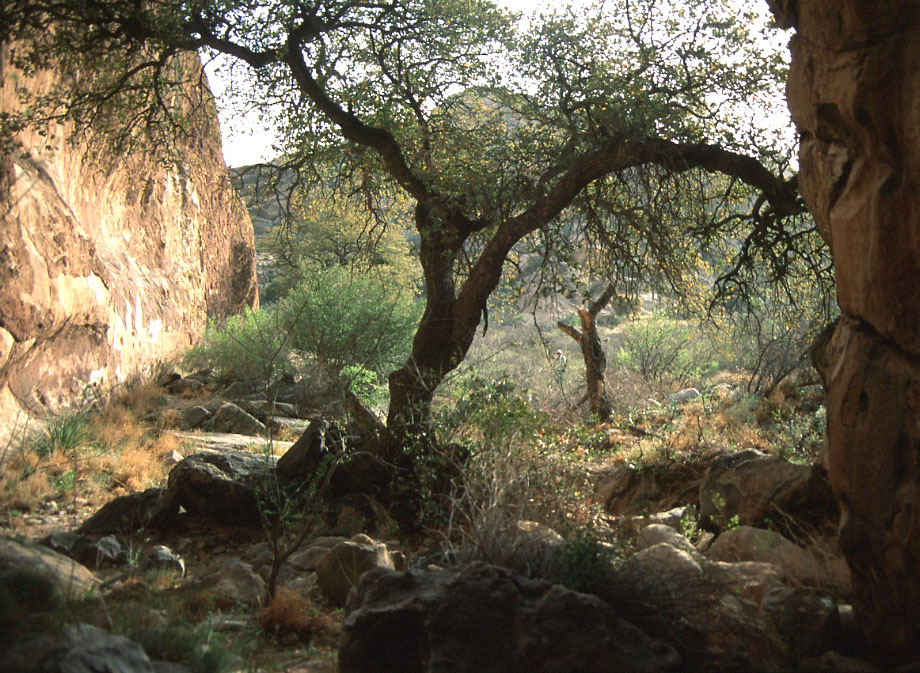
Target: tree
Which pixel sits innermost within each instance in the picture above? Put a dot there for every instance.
(593, 352)
(492, 128)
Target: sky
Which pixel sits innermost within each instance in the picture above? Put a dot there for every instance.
(246, 140)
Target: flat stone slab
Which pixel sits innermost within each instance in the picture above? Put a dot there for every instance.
(225, 441)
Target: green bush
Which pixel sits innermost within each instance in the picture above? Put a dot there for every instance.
(330, 316)
(662, 349)
(251, 346)
(583, 563)
(66, 432)
(344, 319)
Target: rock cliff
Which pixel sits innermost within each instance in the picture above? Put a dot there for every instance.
(853, 91)
(108, 264)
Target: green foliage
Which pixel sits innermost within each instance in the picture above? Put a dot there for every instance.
(64, 433)
(661, 349)
(799, 437)
(330, 316)
(583, 563)
(326, 230)
(253, 346)
(768, 333)
(365, 384)
(343, 318)
(196, 647)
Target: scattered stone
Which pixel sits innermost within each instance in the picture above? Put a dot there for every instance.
(67, 543)
(168, 378)
(206, 376)
(663, 559)
(185, 386)
(795, 564)
(108, 550)
(73, 579)
(173, 458)
(309, 558)
(484, 618)
(225, 487)
(263, 409)
(232, 582)
(193, 417)
(164, 558)
(230, 418)
(685, 395)
(341, 568)
(657, 533)
(154, 508)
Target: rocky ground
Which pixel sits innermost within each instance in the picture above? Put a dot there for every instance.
(715, 561)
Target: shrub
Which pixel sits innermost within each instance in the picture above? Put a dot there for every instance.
(250, 346)
(583, 563)
(663, 349)
(330, 316)
(344, 319)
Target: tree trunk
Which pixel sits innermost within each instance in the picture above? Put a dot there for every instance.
(593, 353)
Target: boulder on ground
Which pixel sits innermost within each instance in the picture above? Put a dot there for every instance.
(232, 582)
(750, 484)
(340, 569)
(193, 417)
(485, 618)
(796, 565)
(83, 649)
(657, 533)
(230, 418)
(73, 579)
(154, 508)
(226, 487)
(302, 460)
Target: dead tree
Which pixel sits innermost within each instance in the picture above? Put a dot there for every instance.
(593, 353)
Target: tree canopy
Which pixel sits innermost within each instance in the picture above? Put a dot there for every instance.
(629, 126)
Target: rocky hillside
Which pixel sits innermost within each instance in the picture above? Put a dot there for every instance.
(109, 264)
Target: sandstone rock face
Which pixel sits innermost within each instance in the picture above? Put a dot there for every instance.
(109, 263)
(853, 91)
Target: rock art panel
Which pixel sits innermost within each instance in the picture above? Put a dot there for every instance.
(109, 263)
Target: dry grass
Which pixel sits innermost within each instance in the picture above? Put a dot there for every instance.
(293, 614)
(94, 455)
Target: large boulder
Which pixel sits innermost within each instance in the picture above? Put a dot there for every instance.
(796, 565)
(751, 484)
(340, 569)
(853, 87)
(228, 487)
(484, 618)
(73, 579)
(109, 262)
(82, 649)
(127, 514)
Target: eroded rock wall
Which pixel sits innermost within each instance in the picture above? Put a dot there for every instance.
(854, 93)
(109, 263)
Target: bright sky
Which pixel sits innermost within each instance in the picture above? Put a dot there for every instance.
(247, 140)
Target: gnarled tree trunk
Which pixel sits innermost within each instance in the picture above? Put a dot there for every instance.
(853, 90)
(593, 353)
